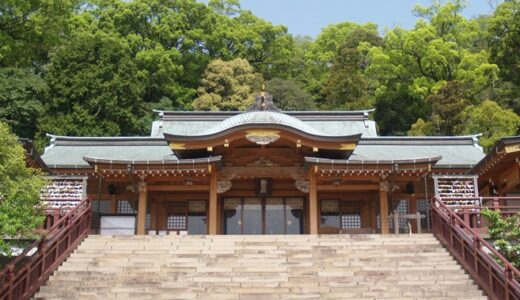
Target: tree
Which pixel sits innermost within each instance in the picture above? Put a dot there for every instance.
(347, 87)
(241, 34)
(20, 209)
(504, 35)
(327, 48)
(396, 109)
(95, 87)
(505, 232)
(446, 106)
(170, 42)
(30, 28)
(504, 42)
(444, 46)
(228, 85)
(488, 118)
(21, 96)
(288, 95)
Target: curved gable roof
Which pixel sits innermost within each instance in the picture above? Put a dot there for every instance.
(262, 117)
(326, 123)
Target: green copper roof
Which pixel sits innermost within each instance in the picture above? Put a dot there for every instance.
(330, 123)
(68, 152)
(262, 117)
(461, 151)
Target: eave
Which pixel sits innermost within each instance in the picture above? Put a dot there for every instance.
(414, 167)
(182, 142)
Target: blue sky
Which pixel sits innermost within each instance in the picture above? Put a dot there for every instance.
(308, 17)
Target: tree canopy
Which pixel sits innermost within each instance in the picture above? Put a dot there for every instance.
(20, 205)
(228, 85)
(99, 67)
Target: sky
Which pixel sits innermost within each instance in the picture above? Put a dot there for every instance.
(308, 17)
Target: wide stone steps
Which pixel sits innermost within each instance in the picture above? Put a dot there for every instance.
(261, 267)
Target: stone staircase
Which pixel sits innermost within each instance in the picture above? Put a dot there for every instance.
(261, 267)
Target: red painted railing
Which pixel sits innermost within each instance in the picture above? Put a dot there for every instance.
(475, 254)
(471, 214)
(22, 277)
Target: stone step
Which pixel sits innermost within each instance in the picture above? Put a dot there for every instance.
(261, 267)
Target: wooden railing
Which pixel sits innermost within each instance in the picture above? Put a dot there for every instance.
(471, 213)
(23, 276)
(478, 257)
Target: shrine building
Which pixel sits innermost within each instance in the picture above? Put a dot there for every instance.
(261, 171)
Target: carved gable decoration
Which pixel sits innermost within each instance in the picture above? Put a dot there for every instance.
(223, 186)
(302, 185)
(263, 162)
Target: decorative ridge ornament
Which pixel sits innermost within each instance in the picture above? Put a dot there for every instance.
(263, 102)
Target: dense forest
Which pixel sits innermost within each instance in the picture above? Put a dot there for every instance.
(96, 68)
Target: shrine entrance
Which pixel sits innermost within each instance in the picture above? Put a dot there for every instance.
(263, 215)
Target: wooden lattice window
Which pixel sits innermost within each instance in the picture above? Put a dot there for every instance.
(177, 219)
(126, 207)
(351, 220)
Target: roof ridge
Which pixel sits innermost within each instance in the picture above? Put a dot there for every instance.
(443, 140)
(101, 138)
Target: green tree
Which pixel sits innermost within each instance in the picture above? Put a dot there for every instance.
(96, 88)
(396, 109)
(488, 118)
(170, 41)
(288, 95)
(21, 96)
(444, 46)
(326, 50)
(20, 207)
(446, 106)
(347, 87)
(228, 85)
(504, 35)
(504, 42)
(241, 34)
(505, 232)
(30, 28)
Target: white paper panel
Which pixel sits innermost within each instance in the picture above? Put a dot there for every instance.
(117, 225)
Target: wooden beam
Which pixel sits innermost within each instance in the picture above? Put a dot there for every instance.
(313, 203)
(344, 187)
(213, 211)
(383, 207)
(509, 179)
(175, 188)
(141, 209)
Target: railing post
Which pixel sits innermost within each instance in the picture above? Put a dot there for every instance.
(56, 217)
(10, 278)
(41, 249)
(476, 248)
(508, 275)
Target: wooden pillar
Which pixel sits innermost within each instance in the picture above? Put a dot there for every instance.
(153, 215)
(413, 210)
(141, 209)
(113, 205)
(313, 203)
(383, 207)
(213, 211)
(373, 214)
(161, 215)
